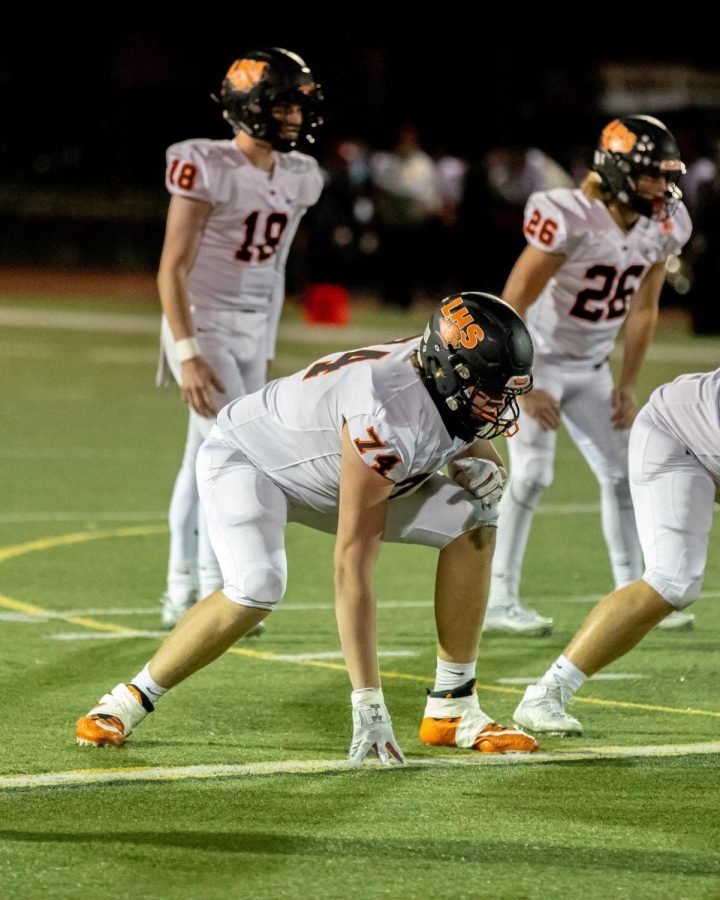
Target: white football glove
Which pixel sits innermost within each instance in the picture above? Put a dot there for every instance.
(372, 729)
(481, 477)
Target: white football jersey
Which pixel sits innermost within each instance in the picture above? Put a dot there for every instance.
(689, 409)
(292, 428)
(241, 260)
(579, 312)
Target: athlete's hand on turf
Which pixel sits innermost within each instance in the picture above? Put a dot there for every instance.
(481, 477)
(624, 407)
(372, 732)
(198, 381)
(542, 407)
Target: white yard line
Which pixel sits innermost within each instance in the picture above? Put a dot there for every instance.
(320, 766)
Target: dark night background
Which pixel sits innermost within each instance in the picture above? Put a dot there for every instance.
(87, 119)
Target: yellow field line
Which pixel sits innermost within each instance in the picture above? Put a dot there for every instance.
(16, 550)
(78, 537)
(403, 676)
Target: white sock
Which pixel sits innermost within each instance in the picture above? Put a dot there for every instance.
(563, 672)
(451, 675)
(152, 690)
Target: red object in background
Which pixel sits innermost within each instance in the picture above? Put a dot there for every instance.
(327, 304)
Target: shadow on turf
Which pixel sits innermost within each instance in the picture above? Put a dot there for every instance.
(541, 855)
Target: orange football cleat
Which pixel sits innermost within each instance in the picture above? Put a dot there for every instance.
(113, 718)
(454, 719)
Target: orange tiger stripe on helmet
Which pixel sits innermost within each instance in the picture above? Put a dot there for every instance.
(244, 74)
(617, 138)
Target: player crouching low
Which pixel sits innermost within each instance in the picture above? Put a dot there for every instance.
(353, 446)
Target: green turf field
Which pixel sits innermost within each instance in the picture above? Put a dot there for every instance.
(89, 453)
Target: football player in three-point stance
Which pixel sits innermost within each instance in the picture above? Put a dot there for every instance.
(595, 260)
(234, 210)
(674, 480)
(352, 445)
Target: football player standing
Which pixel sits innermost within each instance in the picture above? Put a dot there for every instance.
(595, 260)
(234, 210)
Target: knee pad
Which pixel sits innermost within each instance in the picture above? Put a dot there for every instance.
(679, 594)
(263, 586)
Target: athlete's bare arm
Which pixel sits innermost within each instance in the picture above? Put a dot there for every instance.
(639, 329)
(364, 495)
(531, 272)
(186, 222)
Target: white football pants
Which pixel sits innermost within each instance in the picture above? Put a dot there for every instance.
(247, 513)
(234, 345)
(674, 496)
(586, 410)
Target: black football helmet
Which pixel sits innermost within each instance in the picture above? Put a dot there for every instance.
(261, 79)
(634, 146)
(476, 343)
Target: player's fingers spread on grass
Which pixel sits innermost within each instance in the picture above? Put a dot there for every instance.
(358, 751)
(396, 756)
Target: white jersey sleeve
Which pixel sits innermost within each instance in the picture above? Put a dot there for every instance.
(312, 184)
(677, 231)
(382, 445)
(545, 226)
(189, 172)
(578, 314)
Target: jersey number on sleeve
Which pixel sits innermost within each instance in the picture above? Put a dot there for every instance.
(542, 229)
(269, 237)
(610, 299)
(182, 174)
(383, 462)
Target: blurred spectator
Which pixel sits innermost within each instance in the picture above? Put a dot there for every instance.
(341, 236)
(491, 216)
(445, 258)
(703, 261)
(407, 200)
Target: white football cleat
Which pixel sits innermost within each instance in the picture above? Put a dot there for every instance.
(543, 709)
(679, 620)
(256, 631)
(175, 605)
(514, 618)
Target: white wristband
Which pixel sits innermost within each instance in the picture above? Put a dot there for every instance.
(366, 696)
(187, 348)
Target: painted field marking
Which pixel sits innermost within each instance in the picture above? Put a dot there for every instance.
(107, 636)
(80, 537)
(89, 777)
(20, 518)
(337, 654)
(13, 551)
(600, 676)
(139, 323)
